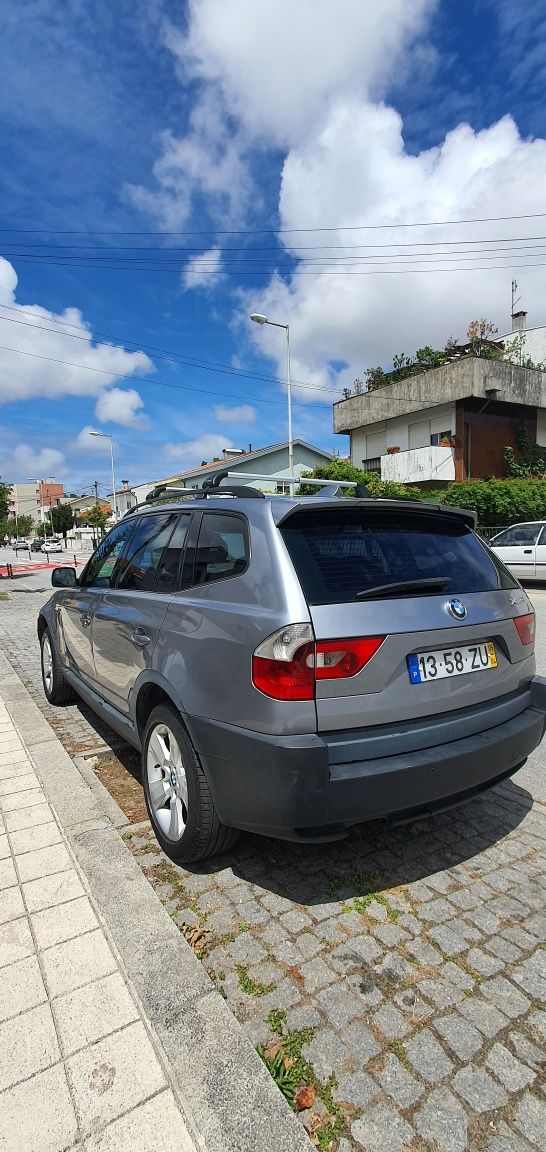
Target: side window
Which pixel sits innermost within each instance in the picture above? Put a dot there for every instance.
(520, 534)
(222, 548)
(138, 567)
(98, 571)
(167, 574)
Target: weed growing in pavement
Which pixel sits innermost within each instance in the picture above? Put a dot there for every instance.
(287, 1055)
(399, 1050)
(249, 986)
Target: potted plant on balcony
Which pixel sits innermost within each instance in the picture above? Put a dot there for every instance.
(392, 449)
(447, 442)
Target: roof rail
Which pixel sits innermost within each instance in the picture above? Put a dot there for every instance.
(329, 488)
(166, 492)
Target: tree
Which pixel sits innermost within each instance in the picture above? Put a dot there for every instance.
(480, 337)
(5, 490)
(62, 518)
(21, 527)
(96, 516)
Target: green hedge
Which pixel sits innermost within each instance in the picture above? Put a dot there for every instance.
(497, 502)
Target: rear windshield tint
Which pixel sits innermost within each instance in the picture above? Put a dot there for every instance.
(339, 554)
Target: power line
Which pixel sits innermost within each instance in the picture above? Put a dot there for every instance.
(274, 231)
(164, 384)
(189, 362)
(198, 263)
(175, 269)
(271, 248)
(190, 388)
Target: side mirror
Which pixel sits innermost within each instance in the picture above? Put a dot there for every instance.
(64, 578)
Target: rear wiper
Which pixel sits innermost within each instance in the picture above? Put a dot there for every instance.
(426, 585)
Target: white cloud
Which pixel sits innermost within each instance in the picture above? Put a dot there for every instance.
(121, 406)
(190, 453)
(266, 74)
(241, 414)
(26, 462)
(306, 82)
(87, 368)
(279, 66)
(357, 171)
(202, 271)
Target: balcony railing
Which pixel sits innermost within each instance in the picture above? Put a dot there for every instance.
(372, 465)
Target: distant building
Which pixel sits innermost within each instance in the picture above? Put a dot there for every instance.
(34, 499)
(125, 499)
(271, 461)
(533, 340)
(450, 423)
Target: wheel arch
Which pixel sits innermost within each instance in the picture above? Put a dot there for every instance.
(148, 695)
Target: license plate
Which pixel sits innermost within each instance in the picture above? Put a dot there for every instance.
(445, 662)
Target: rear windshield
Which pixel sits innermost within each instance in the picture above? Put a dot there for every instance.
(339, 554)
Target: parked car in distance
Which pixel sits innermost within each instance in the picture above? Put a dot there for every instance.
(36, 544)
(294, 666)
(522, 547)
(52, 545)
(20, 543)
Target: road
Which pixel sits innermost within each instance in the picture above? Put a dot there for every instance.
(407, 963)
(31, 570)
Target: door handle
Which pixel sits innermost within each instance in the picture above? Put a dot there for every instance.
(527, 551)
(140, 638)
(85, 620)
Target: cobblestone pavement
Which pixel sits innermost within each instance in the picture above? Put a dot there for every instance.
(402, 971)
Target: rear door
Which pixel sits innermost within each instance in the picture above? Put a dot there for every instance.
(517, 549)
(439, 604)
(128, 620)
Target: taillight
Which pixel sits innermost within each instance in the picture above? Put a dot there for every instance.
(526, 627)
(287, 664)
(337, 658)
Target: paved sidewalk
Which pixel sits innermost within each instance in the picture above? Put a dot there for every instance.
(78, 1069)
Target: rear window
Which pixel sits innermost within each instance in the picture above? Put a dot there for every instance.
(339, 554)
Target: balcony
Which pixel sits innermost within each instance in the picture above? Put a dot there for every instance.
(420, 465)
(372, 465)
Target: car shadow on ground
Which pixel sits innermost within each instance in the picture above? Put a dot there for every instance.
(375, 856)
(378, 856)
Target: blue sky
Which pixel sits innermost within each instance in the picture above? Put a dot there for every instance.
(168, 168)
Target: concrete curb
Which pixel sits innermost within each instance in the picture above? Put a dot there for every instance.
(223, 1087)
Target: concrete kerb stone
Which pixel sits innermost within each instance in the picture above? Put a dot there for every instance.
(224, 1089)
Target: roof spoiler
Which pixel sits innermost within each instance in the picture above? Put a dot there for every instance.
(467, 515)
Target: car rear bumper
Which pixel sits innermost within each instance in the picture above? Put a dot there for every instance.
(303, 788)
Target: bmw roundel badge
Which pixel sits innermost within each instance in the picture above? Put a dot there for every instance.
(457, 609)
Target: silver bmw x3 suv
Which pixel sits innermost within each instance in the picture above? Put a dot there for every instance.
(294, 666)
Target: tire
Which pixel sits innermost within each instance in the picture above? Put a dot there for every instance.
(56, 688)
(178, 798)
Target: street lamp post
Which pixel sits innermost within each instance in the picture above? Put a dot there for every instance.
(259, 319)
(105, 436)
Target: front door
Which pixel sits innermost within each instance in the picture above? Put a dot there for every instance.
(78, 606)
(516, 548)
(128, 620)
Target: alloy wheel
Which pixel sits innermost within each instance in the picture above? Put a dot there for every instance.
(47, 665)
(167, 782)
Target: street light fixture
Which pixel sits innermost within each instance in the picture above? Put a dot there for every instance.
(105, 436)
(259, 319)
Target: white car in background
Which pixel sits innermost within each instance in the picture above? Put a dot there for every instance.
(522, 547)
(52, 546)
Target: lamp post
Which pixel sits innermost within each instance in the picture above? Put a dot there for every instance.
(259, 319)
(105, 436)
